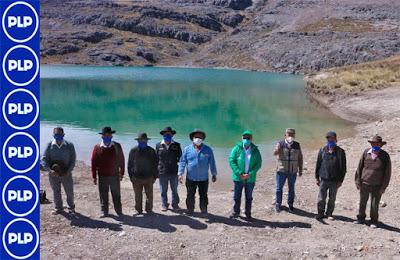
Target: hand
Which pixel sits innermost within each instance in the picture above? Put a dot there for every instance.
(246, 176)
(338, 185)
(381, 191)
(121, 177)
(214, 178)
(154, 180)
(53, 173)
(358, 186)
(95, 181)
(180, 178)
(300, 174)
(318, 182)
(242, 176)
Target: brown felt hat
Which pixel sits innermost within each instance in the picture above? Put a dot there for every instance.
(377, 139)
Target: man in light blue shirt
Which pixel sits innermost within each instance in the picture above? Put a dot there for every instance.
(198, 159)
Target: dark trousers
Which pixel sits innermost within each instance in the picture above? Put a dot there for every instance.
(173, 183)
(324, 188)
(191, 187)
(112, 183)
(280, 182)
(365, 192)
(237, 196)
(138, 186)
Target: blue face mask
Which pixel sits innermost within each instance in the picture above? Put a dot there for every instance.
(167, 138)
(142, 144)
(107, 140)
(376, 149)
(331, 144)
(246, 142)
(58, 137)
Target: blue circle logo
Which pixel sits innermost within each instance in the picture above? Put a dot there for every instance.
(20, 238)
(20, 22)
(20, 152)
(20, 109)
(20, 196)
(20, 65)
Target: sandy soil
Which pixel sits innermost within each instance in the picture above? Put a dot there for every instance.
(271, 236)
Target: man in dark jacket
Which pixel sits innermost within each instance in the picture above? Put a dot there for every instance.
(142, 169)
(169, 152)
(372, 178)
(108, 163)
(329, 173)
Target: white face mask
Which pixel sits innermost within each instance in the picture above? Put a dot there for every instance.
(197, 141)
(290, 139)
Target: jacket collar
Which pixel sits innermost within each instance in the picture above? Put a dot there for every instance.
(102, 144)
(54, 142)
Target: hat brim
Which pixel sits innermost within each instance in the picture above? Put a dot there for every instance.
(383, 142)
(197, 132)
(112, 132)
(164, 131)
(142, 138)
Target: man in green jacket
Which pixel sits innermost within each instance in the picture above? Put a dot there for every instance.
(245, 160)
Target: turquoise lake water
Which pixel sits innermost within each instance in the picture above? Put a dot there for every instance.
(141, 99)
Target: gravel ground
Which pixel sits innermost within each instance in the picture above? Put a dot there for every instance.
(172, 235)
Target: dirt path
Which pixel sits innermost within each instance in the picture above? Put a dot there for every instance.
(271, 236)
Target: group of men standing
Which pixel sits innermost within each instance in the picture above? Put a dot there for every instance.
(168, 163)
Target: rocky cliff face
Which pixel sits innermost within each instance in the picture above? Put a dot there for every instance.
(291, 36)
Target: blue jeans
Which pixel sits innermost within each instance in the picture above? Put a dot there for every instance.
(237, 196)
(280, 182)
(173, 182)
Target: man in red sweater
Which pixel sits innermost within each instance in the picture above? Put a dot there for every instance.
(108, 163)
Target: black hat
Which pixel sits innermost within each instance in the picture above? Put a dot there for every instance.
(197, 131)
(142, 136)
(107, 130)
(167, 129)
(377, 139)
(331, 134)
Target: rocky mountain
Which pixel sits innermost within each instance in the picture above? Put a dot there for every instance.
(282, 35)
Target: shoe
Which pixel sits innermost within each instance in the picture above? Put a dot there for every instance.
(330, 217)
(139, 213)
(149, 212)
(359, 221)
(291, 208)
(373, 226)
(189, 212)
(204, 211)
(249, 218)
(319, 216)
(234, 215)
(164, 208)
(104, 215)
(57, 212)
(176, 207)
(278, 208)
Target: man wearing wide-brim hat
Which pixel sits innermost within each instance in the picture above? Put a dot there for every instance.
(372, 178)
(143, 172)
(108, 165)
(198, 160)
(169, 152)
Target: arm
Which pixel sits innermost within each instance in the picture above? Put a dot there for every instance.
(276, 149)
(121, 161)
(257, 165)
(155, 163)
(94, 162)
(46, 159)
(233, 162)
(388, 173)
(213, 166)
(344, 166)
(318, 165)
(359, 171)
(300, 160)
(72, 161)
(182, 163)
(131, 164)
